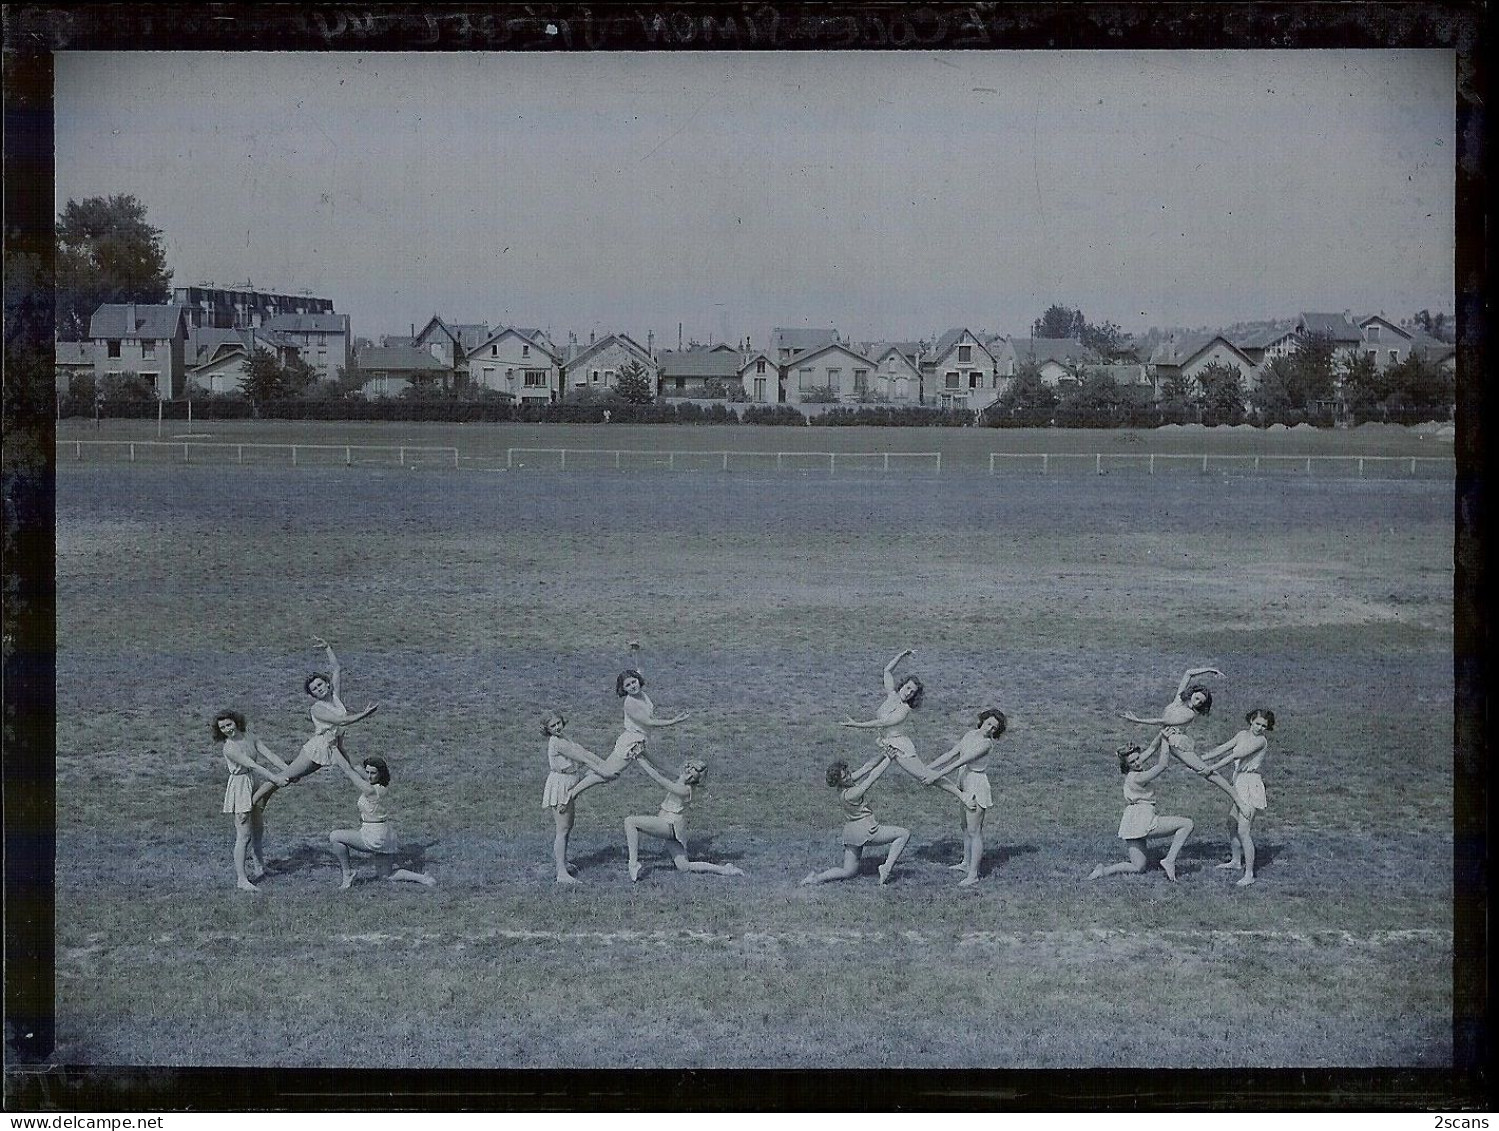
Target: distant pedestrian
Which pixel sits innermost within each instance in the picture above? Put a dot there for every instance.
(564, 760)
(640, 717)
(329, 717)
(1141, 821)
(670, 822)
(969, 759)
(240, 748)
(860, 829)
(1246, 750)
(606, 416)
(376, 833)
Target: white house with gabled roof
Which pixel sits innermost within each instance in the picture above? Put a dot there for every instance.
(959, 372)
(1385, 343)
(597, 366)
(897, 371)
(836, 367)
(517, 362)
(760, 377)
(149, 341)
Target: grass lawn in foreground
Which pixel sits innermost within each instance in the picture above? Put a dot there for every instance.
(468, 605)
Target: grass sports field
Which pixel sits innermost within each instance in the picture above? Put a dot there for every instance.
(469, 603)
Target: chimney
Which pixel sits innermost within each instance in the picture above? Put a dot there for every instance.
(679, 337)
(130, 318)
(650, 342)
(590, 337)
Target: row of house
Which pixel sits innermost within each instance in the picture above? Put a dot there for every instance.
(160, 344)
(962, 369)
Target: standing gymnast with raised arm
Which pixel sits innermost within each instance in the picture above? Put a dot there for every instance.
(670, 822)
(890, 720)
(240, 748)
(969, 758)
(640, 718)
(329, 717)
(860, 829)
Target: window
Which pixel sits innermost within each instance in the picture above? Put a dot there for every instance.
(494, 351)
(593, 376)
(488, 380)
(536, 378)
(760, 367)
(1394, 356)
(322, 339)
(973, 380)
(681, 383)
(951, 380)
(1373, 354)
(148, 347)
(806, 379)
(610, 376)
(1373, 332)
(760, 388)
(965, 355)
(525, 351)
(861, 380)
(835, 380)
(114, 347)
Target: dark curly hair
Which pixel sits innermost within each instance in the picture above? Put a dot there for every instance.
(235, 716)
(1123, 753)
(1207, 701)
(915, 700)
(619, 681)
(837, 773)
(1265, 713)
(991, 713)
(307, 683)
(382, 771)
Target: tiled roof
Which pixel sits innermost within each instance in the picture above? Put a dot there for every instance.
(533, 337)
(309, 323)
(1041, 350)
(1262, 339)
(699, 363)
(397, 358)
(1337, 327)
(111, 321)
(840, 347)
(629, 343)
(803, 337)
(876, 351)
(1383, 321)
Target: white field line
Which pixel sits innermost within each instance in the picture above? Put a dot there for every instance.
(1323, 937)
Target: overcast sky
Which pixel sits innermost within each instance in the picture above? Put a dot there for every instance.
(887, 194)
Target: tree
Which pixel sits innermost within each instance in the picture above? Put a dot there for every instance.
(1437, 325)
(1177, 393)
(1109, 341)
(1096, 394)
(1273, 395)
(297, 376)
(1365, 386)
(1416, 383)
(106, 253)
(264, 380)
(1312, 371)
(1220, 394)
(347, 380)
(633, 384)
(1028, 393)
(1059, 322)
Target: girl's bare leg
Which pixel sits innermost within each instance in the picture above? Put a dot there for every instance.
(342, 839)
(896, 838)
(657, 827)
(849, 870)
(564, 820)
(973, 846)
(1235, 859)
(1182, 827)
(1247, 840)
(241, 842)
(257, 838)
(300, 767)
(1135, 863)
(412, 877)
(679, 858)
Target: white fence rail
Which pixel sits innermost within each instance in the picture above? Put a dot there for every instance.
(623, 459)
(1203, 462)
(321, 455)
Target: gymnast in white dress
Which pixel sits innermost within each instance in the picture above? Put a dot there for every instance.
(1140, 821)
(968, 759)
(1246, 750)
(860, 829)
(565, 763)
(640, 719)
(329, 717)
(670, 822)
(1193, 701)
(376, 833)
(240, 748)
(891, 719)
